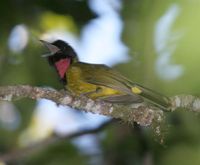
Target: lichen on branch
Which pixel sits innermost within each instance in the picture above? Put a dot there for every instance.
(144, 114)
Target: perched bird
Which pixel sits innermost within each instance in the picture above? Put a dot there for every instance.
(97, 81)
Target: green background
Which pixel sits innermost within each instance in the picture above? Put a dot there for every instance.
(123, 143)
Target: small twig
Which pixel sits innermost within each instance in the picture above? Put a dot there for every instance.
(22, 152)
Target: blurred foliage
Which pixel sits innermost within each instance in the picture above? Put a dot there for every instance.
(59, 153)
(123, 144)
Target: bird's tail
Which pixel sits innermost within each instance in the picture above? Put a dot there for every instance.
(152, 96)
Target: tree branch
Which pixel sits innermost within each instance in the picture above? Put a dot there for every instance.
(188, 102)
(142, 113)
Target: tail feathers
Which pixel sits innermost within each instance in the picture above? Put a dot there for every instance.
(152, 96)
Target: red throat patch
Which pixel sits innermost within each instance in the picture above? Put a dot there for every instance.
(62, 66)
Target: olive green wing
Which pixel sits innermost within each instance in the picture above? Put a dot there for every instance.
(104, 76)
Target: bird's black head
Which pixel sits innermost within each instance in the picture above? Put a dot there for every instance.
(59, 50)
(61, 56)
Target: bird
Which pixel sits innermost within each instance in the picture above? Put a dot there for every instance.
(97, 81)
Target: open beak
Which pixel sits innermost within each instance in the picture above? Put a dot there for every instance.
(52, 48)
